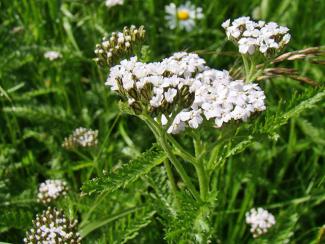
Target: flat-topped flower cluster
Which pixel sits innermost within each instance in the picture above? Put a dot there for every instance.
(50, 190)
(251, 36)
(52, 226)
(81, 137)
(260, 220)
(182, 91)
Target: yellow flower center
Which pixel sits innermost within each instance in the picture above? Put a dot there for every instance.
(183, 14)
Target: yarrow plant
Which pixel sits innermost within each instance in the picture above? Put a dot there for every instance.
(53, 227)
(178, 98)
(51, 190)
(260, 221)
(181, 93)
(179, 128)
(184, 16)
(81, 137)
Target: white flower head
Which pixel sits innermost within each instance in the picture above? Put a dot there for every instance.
(52, 55)
(251, 36)
(183, 15)
(260, 221)
(185, 91)
(52, 226)
(112, 3)
(50, 190)
(118, 45)
(81, 137)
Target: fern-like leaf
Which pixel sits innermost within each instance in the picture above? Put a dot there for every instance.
(128, 173)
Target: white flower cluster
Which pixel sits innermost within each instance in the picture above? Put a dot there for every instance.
(81, 137)
(52, 227)
(252, 36)
(52, 55)
(181, 91)
(50, 190)
(184, 15)
(220, 98)
(112, 3)
(118, 44)
(260, 220)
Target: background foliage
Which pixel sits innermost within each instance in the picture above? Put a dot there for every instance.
(281, 161)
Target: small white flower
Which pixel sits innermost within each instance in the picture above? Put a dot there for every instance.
(157, 99)
(196, 119)
(286, 38)
(247, 45)
(164, 120)
(177, 126)
(52, 55)
(226, 24)
(260, 221)
(184, 15)
(170, 94)
(112, 3)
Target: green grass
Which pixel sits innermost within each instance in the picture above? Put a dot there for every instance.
(281, 168)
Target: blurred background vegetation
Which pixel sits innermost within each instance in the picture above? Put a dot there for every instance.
(42, 102)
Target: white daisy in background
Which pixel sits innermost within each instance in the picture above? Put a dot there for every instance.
(184, 15)
(112, 3)
(52, 55)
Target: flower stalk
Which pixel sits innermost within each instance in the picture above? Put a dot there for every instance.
(161, 139)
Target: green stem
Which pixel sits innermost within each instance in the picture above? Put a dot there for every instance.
(180, 169)
(180, 150)
(246, 65)
(161, 139)
(171, 179)
(200, 170)
(251, 70)
(259, 72)
(203, 180)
